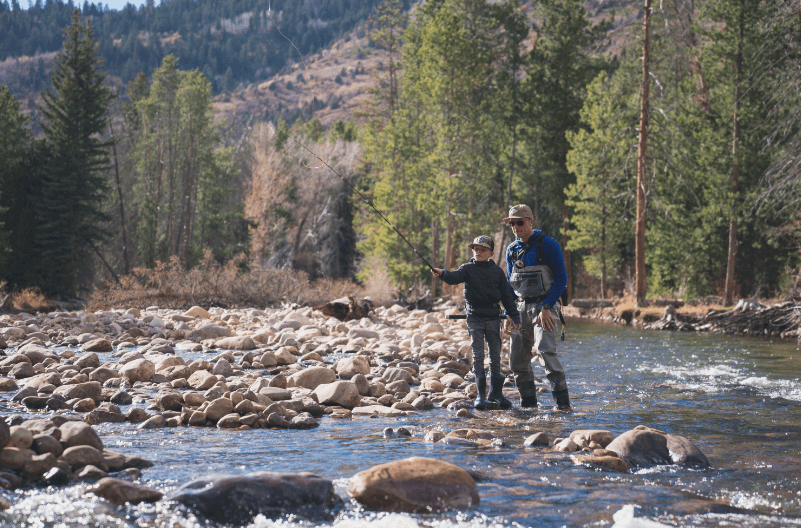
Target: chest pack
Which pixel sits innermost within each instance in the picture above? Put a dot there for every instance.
(533, 282)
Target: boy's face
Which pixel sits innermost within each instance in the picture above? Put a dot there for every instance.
(480, 253)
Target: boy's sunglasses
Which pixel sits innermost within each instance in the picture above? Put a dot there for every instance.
(513, 223)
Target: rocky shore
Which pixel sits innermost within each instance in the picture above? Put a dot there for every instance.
(284, 368)
(748, 317)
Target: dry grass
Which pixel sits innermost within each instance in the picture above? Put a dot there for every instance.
(30, 300)
(170, 285)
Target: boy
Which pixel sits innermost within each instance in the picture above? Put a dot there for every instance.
(484, 286)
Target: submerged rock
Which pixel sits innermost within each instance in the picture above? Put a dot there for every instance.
(643, 446)
(414, 485)
(240, 498)
(120, 491)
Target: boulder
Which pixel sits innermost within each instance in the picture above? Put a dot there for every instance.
(103, 374)
(169, 400)
(210, 331)
(414, 485)
(38, 465)
(237, 343)
(537, 439)
(238, 499)
(98, 345)
(43, 443)
(313, 377)
(608, 462)
(353, 365)
(343, 393)
(197, 311)
(138, 370)
(222, 368)
(90, 389)
(120, 491)
(218, 408)
(79, 434)
(685, 453)
(20, 437)
(583, 437)
(395, 374)
(202, 380)
(284, 357)
(80, 456)
(15, 457)
(642, 446)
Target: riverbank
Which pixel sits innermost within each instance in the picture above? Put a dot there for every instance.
(747, 318)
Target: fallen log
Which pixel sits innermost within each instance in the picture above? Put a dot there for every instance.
(346, 308)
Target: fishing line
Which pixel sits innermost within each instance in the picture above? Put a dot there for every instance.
(363, 197)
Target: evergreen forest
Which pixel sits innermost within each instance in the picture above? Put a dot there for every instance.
(477, 105)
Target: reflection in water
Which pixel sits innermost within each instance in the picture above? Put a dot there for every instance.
(738, 399)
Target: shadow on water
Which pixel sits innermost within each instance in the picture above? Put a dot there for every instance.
(738, 400)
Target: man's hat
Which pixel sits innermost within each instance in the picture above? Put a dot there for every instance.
(520, 211)
(484, 241)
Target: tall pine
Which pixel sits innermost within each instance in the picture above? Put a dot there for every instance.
(73, 186)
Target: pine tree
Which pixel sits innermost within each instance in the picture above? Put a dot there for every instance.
(73, 187)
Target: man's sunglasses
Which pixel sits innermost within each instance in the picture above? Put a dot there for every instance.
(513, 223)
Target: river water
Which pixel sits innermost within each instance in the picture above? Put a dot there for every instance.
(737, 399)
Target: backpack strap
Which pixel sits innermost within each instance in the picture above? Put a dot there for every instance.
(536, 241)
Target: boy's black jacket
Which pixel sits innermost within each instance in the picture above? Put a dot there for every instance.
(484, 285)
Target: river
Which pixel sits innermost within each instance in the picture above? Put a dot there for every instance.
(737, 399)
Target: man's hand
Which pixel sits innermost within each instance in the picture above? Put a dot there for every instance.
(437, 272)
(510, 325)
(546, 320)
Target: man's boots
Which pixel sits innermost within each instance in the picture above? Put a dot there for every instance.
(528, 402)
(562, 400)
(496, 392)
(481, 398)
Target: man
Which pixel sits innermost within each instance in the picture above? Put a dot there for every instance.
(538, 281)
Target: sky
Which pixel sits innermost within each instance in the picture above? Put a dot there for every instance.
(119, 4)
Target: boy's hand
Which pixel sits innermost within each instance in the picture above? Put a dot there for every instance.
(437, 272)
(511, 325)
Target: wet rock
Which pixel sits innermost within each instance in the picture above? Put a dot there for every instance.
(120, 491)
(303, 420)
(79, 434)
(685, 453)
(91, 472)
(38, 465)
(237, 343)
(537, 439)
(377, 410)
(229, 421)
(20, 437)
(433, 437)
(43, 443)
(313, 377)
(103, 374)
(22, 370)
(169, 400)
(138, 370)
(218, 408)
(35, 402)
(642, 446)
(566, 445)
(136, 415)
(101, 416)
(98, 345)
(154, 422)
(583, 437)
(608, 462)
(57, 476)
(222, 368)
(15, 457)
(239, 499)
(84, 405)
(80, 456)
(464, 413)
(343, 393)
(414, 485)
(90, 389)
(7, 385)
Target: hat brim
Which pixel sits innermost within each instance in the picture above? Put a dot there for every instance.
(519, 218)
(474, 246)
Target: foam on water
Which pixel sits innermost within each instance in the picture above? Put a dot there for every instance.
(625, 518)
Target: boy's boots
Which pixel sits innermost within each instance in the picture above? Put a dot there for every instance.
(496, 392)
(481, 398)
(562, 400)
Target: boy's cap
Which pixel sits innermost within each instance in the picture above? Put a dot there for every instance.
(520, 211)
(484, 241)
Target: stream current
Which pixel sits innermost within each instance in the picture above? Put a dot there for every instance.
(737, 399)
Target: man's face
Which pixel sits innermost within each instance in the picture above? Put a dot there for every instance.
(521, 226)
(481, 254)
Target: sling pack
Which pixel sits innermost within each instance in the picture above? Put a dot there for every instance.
(533, 282)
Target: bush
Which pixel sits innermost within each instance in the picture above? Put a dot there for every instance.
(170, 285)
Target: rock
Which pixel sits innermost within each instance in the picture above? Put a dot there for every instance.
(394, 374)
(20, 437)
(537, 439)
(414, 485)
(103, 374)
(22, 370)
(398, 387)
(80, 456)
(464, 413)
(90, 389)
(222, 368)
(685, 453)
(284, 357)
(169, 400)
(433, 437)
(202, 380)
(57, 477)
(362, 383)
(138, 370)
(102, 416)
(210, 331)
(313, 377)
(15, 457)
(642, 446)
(7, 385)
(353, 365)
(303, 420)
(608, 462)
(197, 311)
(343, 393)
(229, 421)
(91, 472)
(583, 437)
(566, 445)
(79, 434)
(121, 398)
(238, 499)
(377, 410)
(219, 408)
(83, 406)
(154, 422)
(38, 465)
(44, 443)
(120, 491)
(236, 343)
(276, 393)
(98, 345)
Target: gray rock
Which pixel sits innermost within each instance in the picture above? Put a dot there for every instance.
(642, 446)
(79, 434)
(120, 491)
(239, 499)
(537, 439)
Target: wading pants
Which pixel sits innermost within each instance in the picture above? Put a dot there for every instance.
(491, 332)
(531, 336)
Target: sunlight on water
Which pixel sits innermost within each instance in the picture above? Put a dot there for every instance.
(625, 518)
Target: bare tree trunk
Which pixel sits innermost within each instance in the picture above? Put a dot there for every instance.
(449, 259)
(122, 203)
(735, 173)
(434, 253)
(639, 281)
(565, 251)
(603, 245)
